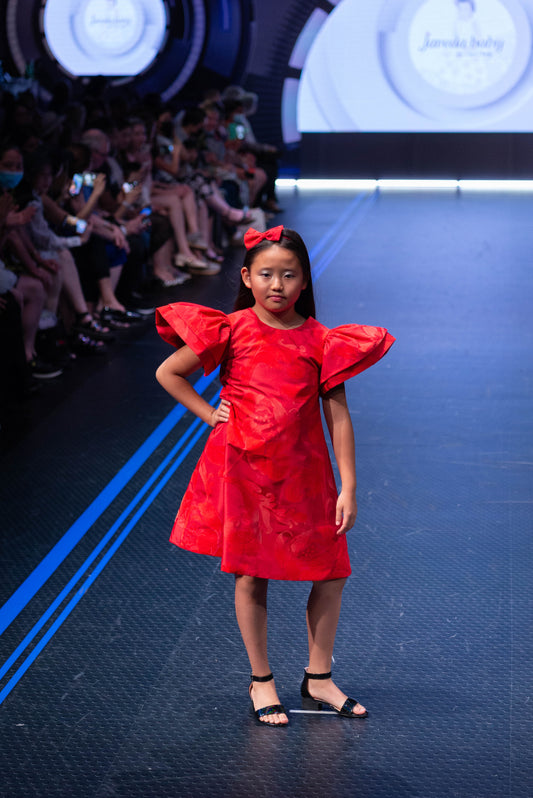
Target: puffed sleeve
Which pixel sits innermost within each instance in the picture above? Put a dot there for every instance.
(350, 349)
(205, 330)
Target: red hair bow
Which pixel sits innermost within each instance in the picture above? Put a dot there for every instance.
(253, 237)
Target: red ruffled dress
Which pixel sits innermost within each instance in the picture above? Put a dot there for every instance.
(263, 495)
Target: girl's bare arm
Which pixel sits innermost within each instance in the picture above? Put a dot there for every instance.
(172, 375)
(340, 429)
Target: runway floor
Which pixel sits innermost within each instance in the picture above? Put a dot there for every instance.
(122, 671)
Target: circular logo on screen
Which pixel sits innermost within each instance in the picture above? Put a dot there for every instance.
(112, 27)
(460, 54)
(458, 48)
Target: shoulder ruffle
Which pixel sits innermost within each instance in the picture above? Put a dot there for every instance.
(205, 330)
(350, 349)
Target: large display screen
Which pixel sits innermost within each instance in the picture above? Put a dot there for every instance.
(104, 37)
(419, 66)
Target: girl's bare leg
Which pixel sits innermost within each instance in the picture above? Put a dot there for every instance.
(203, 220)
(216, 201)
(162, 261)
(107, 295)
(52, 297)
(31, 295)
(205, 223)
(114, 273)
(323, 609)
(256, 184)
(171, 203)
(251, 611)
(71, 281)
(186, 194)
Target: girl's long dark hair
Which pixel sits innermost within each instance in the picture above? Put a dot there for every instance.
(291, 240)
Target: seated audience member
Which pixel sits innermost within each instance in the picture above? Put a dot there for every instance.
(157, 233)
(22, 299)
(126, 201)
(154, 198)
(166, 163)
(166, 202)
(54, 250)
(195, 172)
(239, 181)
(239, 106)
(101, 259)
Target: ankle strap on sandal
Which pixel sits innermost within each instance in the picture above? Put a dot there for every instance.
(262, 678)
(318, 675)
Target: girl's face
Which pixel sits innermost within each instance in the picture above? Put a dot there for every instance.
(276, 280)
(138, 136)
(43, 181)
(11, 161)
(11, 170)
(211, 121)
(123, 138)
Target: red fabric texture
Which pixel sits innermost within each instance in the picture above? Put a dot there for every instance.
(262, 496)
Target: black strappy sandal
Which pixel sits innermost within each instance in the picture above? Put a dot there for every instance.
(91, 328)
(272, 709)
(345, 711)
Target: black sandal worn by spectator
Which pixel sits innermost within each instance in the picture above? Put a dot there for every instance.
(345, 711)
(272, 709)
(92, 328)
(127, 317)
(84, 345)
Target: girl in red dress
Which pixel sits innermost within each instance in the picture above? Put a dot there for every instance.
(263, 496)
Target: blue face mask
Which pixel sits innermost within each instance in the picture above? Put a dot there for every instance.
(9, 180)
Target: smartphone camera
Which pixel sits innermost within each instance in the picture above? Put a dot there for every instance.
(236, 132)
(127, 187)
(146, 213)
(75, 185)
(80, 225)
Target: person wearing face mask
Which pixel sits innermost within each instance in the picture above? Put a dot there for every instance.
(11, 174)
(11, 169)
(22, 296)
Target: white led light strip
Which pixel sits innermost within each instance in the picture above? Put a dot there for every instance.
(386, 184)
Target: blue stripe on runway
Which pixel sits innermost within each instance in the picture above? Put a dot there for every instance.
(99, 568)
(72, 537)
(8, 664)
(361, 207)
(339, 226)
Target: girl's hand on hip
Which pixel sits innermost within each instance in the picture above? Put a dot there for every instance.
(221, 413)
(346, 512)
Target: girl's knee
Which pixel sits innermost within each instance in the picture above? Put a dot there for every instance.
(331, 585)
(173, 201)
(31, 289)
(250, 584)
(66, 259)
